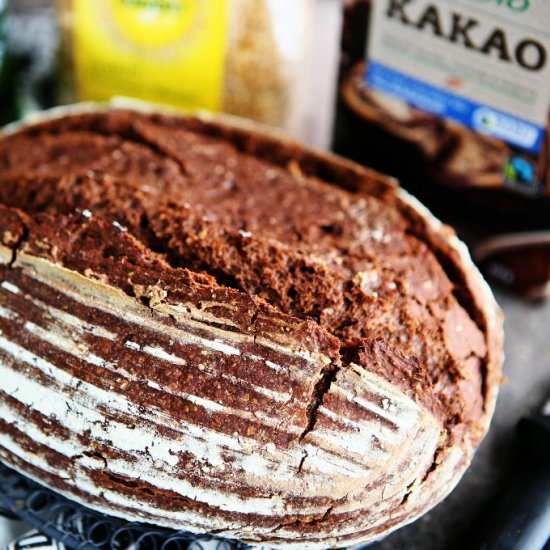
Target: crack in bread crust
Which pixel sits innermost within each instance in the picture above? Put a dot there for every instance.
(278, 341)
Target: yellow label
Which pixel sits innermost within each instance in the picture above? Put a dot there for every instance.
(166, 51)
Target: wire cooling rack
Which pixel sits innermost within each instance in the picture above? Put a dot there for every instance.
(80, 528)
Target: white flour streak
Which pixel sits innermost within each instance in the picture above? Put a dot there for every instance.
(6, 285)
(7, 314)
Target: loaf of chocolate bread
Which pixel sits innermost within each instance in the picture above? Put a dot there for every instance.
(210, 328)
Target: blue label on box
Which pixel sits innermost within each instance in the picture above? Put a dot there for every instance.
(439, 101)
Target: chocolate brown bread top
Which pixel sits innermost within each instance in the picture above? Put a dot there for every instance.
(209, 328)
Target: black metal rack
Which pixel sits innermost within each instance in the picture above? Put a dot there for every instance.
(78, 527)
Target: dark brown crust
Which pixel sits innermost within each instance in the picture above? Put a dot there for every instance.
(274, 269)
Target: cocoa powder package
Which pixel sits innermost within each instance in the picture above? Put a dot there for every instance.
(453, 98)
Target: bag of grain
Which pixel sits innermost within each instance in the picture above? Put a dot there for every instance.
(243, 57)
